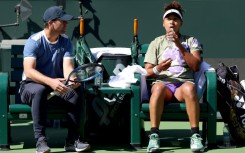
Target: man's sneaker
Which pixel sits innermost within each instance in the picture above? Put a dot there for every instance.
(76, 146)
(154, 142)
(196, 143)
(42, 146)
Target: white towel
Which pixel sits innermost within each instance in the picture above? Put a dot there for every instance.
(200, 79)
(97, 52)
(126, 77)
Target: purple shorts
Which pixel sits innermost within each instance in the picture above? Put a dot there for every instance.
(173, 87)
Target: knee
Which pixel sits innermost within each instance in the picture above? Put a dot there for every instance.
(189, 90)
(158, 89)
(34, 92)
(34, 89)
(40, 90)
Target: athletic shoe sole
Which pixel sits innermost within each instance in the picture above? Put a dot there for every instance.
(83, 149)
(47, 151)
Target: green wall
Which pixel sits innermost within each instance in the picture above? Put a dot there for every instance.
(218, 24)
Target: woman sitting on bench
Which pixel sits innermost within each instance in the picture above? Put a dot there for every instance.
(172, 60)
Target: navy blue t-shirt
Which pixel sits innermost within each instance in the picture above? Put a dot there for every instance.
(49, 56)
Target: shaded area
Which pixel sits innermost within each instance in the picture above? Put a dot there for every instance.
(5, 34)
(95, 29)
(32, 28)
(174, 139)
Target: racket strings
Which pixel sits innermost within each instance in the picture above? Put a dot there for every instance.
(82, 73)
(85, 74)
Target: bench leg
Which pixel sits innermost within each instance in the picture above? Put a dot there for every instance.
(211, 132)
(4, 135)
(204, 132)
(4, 124)
(135, 130)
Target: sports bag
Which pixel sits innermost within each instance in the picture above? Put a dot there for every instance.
(230, 101)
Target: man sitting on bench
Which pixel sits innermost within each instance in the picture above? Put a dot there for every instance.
(47, 63)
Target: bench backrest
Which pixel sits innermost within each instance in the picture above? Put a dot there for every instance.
(16, 70)
(142, 53)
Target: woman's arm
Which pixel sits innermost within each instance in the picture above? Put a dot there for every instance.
(153, 70)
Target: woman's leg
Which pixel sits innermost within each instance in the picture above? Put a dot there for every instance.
(159, 95)
(187, 93)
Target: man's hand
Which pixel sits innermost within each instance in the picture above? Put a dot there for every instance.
(73, 84)
(59, 86)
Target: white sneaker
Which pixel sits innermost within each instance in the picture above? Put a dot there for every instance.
(154, 143)
(196, 143)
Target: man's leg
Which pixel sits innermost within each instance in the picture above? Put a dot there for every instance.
(36, 95)
(73, 106)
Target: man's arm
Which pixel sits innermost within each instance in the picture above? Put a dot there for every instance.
(67, 67)
(31, 72)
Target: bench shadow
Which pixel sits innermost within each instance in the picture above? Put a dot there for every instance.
(170, 139)
(22, 138)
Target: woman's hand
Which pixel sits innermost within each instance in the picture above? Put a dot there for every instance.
(173, 37)
(164, 65)
(170, 35)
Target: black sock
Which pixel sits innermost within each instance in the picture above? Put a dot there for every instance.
(154, 130)
(194, 130)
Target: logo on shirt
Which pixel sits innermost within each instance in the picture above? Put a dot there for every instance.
(60, 50)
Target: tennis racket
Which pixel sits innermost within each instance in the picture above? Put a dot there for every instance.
(82, 74)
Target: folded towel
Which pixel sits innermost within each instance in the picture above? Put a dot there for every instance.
(97, 52)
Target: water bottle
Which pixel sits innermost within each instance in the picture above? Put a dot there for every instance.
(170, 40)
(226, 136)
(99, 79)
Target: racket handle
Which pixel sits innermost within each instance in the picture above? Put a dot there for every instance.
(54, 93)
(81, 26)
(135, 27)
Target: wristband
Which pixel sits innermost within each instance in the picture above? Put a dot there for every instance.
(155, 71)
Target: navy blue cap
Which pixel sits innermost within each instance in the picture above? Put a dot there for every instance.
(55, 12)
